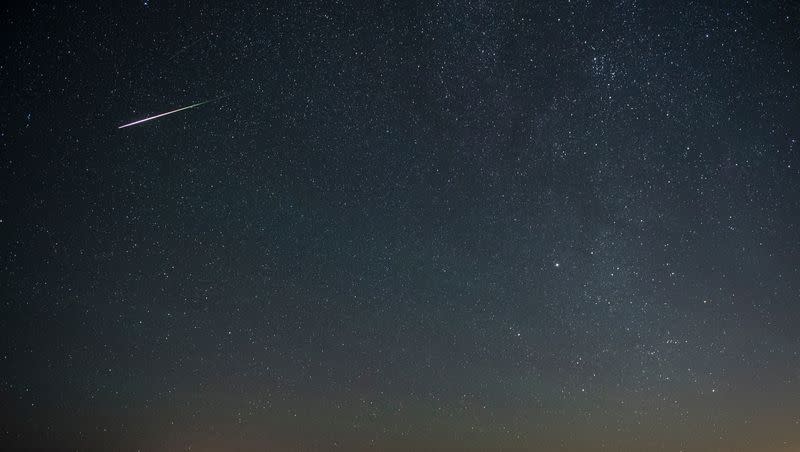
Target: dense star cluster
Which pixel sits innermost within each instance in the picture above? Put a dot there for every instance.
(436, 225)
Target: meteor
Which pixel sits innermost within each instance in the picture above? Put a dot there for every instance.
(165, 114)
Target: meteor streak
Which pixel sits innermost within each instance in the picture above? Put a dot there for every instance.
(164, 114)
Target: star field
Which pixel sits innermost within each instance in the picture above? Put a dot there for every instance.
(452, 225)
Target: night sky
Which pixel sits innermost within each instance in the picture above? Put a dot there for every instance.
(432, 226)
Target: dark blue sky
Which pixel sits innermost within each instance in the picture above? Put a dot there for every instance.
(407, 226)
